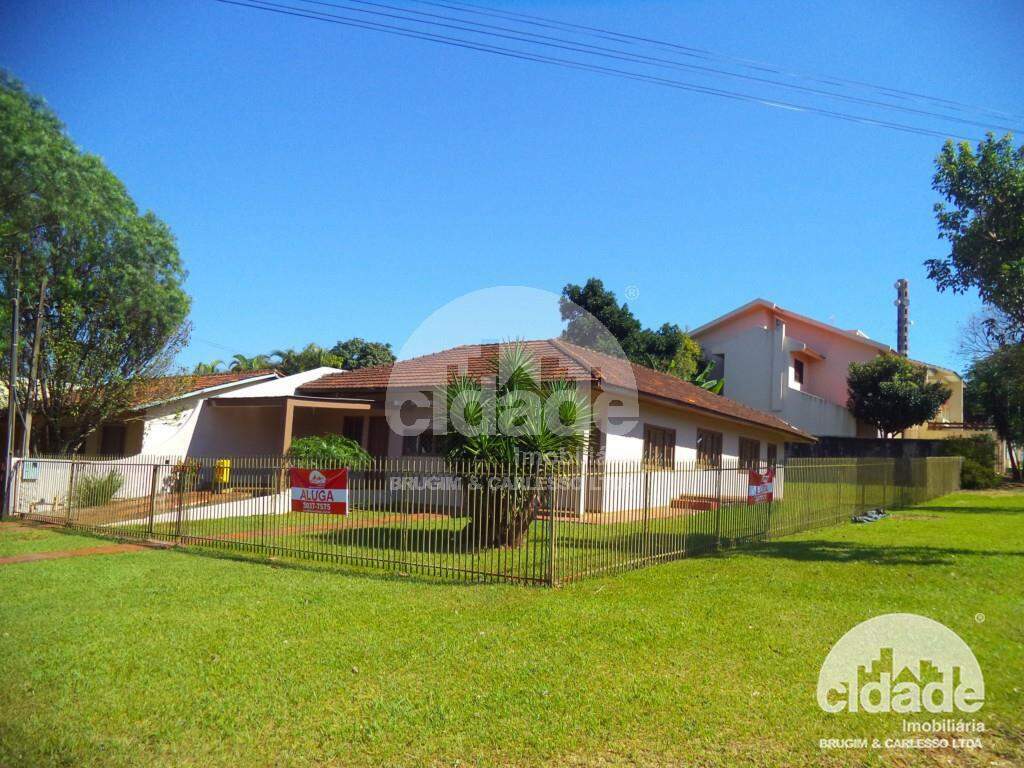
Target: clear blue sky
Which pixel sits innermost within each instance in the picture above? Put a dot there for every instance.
(326, 182)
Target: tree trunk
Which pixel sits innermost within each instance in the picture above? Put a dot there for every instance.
(498, 517)
(1014, 465)
(30, 399)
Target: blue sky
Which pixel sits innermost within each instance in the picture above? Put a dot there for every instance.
(326, 182)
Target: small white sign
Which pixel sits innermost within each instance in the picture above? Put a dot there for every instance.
(30, 471)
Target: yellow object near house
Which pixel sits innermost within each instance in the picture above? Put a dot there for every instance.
(222, 473)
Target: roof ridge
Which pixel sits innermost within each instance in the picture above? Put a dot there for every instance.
(563, 347)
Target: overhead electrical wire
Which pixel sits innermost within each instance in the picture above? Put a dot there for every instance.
(476, 45)
(561, 43)
(703, 53)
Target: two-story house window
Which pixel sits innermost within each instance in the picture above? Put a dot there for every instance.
(798, 372)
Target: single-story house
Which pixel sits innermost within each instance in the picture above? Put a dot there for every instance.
(237, 413)
(640, 414)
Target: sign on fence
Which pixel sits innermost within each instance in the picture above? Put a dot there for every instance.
(316, 490)
(761, 486)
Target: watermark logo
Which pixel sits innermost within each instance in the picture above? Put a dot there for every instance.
(902, 663)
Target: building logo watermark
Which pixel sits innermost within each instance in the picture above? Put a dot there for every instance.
(901, 663)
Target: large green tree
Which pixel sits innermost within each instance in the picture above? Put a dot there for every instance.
(360, 353)
(596, 320)
(892, 393)
(983, 220)
(103, 304)
(995, 394)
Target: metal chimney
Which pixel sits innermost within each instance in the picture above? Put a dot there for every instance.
(902, 317)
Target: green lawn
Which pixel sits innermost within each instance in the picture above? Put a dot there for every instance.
(181, 658)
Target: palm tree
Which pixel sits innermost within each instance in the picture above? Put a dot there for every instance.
(524, 428)
(290, 361)
(205, 368)
(255, 363)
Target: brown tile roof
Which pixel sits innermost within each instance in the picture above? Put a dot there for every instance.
(168, 387)
(558, 360)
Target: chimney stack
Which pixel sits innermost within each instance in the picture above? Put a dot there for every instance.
(902, 317)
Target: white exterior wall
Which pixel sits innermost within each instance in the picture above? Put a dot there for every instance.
(759, 373)
(621, 492)
(189, 427)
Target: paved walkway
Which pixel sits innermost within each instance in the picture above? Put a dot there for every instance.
(103, 549)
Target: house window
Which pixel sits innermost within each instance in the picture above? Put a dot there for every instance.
(709, 448)
(659, 446)
(798, 372)
(112, 440)
(750, 453)
(424, 444)
(352, 428)
(773, 455)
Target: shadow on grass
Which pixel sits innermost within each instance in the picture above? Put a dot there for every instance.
(971, 510)
(393, 573)
(819, 550)
(425, 541)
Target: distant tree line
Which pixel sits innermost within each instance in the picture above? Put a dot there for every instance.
(349, 355)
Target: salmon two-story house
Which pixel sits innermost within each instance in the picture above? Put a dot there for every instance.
(796, 368)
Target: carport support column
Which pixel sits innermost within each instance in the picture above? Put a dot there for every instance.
(286, 425)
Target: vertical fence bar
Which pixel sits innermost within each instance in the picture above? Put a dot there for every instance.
(152, 499)
(71, 493)
(632, 514)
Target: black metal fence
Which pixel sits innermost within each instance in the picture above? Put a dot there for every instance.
(469, 520)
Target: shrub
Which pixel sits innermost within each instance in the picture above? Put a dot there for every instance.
(979, 452)
(976, 476)
(328, 450)
(979, 448)
(97, 490)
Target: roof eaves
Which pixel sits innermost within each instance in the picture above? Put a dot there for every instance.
(215, 388)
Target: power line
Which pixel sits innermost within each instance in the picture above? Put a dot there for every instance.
(599, 32)
(613, 53)
(306, 13)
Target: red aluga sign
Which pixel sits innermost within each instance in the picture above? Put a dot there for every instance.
(320, 490)
(761, 486)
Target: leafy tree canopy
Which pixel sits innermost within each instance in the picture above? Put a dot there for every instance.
(983, 220)
(995, 393)
(103, 305)
(359, 353)
(350, 355)
(891, 393)
(597, 321)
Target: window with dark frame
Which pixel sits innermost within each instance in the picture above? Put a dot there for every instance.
(112, 438)
(709, 448)
(750, 453)
(773, 455)
(424, 444)
(659, 446)
(798, 371)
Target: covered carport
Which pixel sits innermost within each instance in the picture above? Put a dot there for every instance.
(267, 425)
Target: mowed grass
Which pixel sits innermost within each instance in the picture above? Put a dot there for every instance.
(180, 658)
